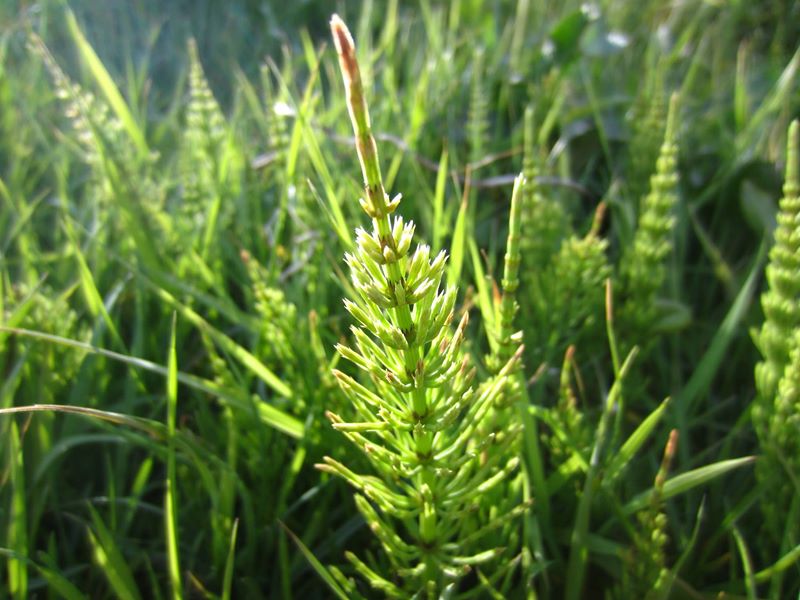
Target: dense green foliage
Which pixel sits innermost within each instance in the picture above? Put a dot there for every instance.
(556, 379)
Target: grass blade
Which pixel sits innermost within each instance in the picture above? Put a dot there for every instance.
(457, 247)
(110, 560)
(267, 414)
(255, 366)
(684, 482)
(106, 84)
(170, 501)
(17, 531)
(702, 376)
(316, 565)
(635, 442)
(783, 563)
(439, 224)
(55, 580)
(227, 578)
(747, 563)
(485, 304)
(579, 553)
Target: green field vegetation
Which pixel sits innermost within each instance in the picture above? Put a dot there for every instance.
(566, 364)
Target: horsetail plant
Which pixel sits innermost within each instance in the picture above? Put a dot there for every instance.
(568, 295)
(649, 120)
(120, 162)
(478, 115)
(565, 273)
(642, 267)
(416, 410)
(211, 168)
(203, 139)
(277, 130)
(781, 303)
(645, 574)
(507, 340)
(544, 221)
(776, 411)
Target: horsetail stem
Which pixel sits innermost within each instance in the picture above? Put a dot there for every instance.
(510, 282)
(419, 428)
(376, 205)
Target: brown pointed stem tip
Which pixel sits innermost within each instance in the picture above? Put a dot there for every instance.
(345, 47)
(609, 302)
(672, 445)
(599, 217)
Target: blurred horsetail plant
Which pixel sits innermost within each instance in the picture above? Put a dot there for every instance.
(210, 169)
(781, 304)
(776, 412)
(417, 413)
(565, 274)
(642, 266)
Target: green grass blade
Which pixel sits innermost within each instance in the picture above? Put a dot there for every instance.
(109, 558)
(747, 564)
(64, 446)
(267, 414)
(303, 113)
(740, 100)
(579, 552)
(686, 552)
(17, 532)
(152, 428)
(708, 366)
(684, 482)
(439, 225)
(106, 85)
(537, 519)
(774, 102)
(93, 298)
(784, 562)
(485, 304)
(170, 500)
(227, 578)
(255, 366)
(316, 565)
(62, 586)
(457, 247)
(634, 443)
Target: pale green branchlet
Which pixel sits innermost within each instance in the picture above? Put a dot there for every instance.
(416, 410)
